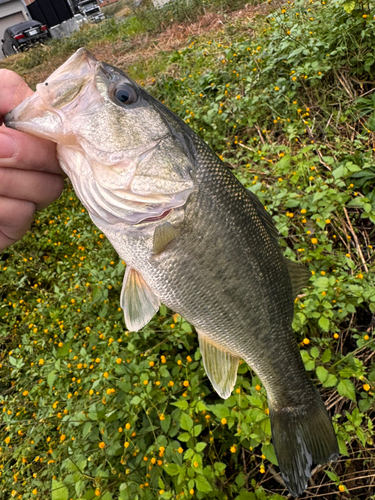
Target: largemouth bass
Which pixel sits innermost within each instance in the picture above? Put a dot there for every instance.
(193, 238)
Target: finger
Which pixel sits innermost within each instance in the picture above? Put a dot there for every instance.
(41, 188)
(13, 90)
(24, 151)
(16, 217)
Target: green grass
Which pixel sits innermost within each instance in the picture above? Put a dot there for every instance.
(284, 100)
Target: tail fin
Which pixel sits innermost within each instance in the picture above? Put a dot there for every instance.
(303, 437)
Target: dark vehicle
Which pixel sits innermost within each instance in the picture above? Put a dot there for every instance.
(22, 35)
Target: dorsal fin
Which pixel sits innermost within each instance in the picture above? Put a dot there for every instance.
(138, 302)
(220, 365)
(264, 215)
(299, 275)
(163, 235)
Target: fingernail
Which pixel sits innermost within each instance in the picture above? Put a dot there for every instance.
(7, 146)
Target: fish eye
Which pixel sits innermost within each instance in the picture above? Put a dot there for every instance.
(125, 95)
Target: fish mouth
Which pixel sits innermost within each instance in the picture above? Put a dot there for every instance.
(156, 218)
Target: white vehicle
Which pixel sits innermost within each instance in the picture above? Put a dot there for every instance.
(91, 10)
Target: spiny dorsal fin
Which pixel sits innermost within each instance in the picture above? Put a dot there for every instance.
(220, 365)
(138, 302)
(163, 235)
(264, 215)
(299, 275)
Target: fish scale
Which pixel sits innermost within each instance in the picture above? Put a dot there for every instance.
(193, 238)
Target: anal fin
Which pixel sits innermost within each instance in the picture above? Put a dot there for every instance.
(163, 235)
(220, 365)
(138, 302)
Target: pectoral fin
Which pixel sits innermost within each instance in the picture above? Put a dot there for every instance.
(163, 235)
(138, 302)
(220, 365)
(299, 275)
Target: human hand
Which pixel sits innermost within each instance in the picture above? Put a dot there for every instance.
(30, 175)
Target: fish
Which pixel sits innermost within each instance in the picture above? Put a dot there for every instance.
(193, 238)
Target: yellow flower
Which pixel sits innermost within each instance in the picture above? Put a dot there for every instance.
(191, 491)
(366, 387)
(62, 437)
(161, 492)
(25, 393)
(162, 359)
(186, 383)
(145, 459)
(41, 361)
(35, 491)
(171, 383)
(341, 487)
(223, 421)
(257, 387)
(188, 358)
(180, 450)
(120, 429)
(127, 426)
(314, 241)
(97, 491)
(335, 335)
(105, 374)
(7, 440)
(196, 464)
(119, 361)
(145, 382)
(306, 341)
(151, 363)
(233, 448)
(277, 88)
(162, 417)
(322, 273)
(366, 337)
(101, 445)
(126, 444)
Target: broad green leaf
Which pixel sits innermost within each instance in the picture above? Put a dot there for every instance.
(186, 422)
(64, 350)
(326, 356)
(321, 373)
(346, 388)
(332, 475)
(330, 381)
(59, 491)
(202, 484)
(51, 377)
(183, 404)
(349, 6)
(314, 352)
(200, 446)
(269, 452)
(324, 323)
(172, 469)
(136, 400)
(184, 437)
(165, 424)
